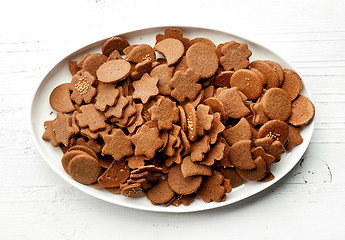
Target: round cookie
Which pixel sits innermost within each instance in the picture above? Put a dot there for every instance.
(85, 149)
(68, 156)
(141, 53)
(114, 43)
(278, 70)
(205, 41)
(268, 72)
(276, 104)
(247, 82)
(292, 84)
(60, 99)
(202, 59)
(303, 111)
(113, 71)
(276, 129)
(160, 193)
(181, 185)
(84, 169)
(93, 62)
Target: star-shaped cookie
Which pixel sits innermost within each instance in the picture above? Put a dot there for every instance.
(147, 141)
(117, 144)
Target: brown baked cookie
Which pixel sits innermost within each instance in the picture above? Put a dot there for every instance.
(241, 131)
(189, 168)
(141, 53)
(216, 128)
(278, 70)
(271, 146)
(185, 85)
(215, 154)
(276, 104)
(93, 62)
(202, 59)
(93, 135)
(233, 103)
(292, 84)
(139, 69)
(114, 43)
(260, 152)
(82, 88)
(223, 79)
(90, 143)
(248, 83)
(118, 108)
(113, 71)
(173, 33)
(202, 40)
(232, 175)
(49, 133)
(62, 127)
(139, 120)
(255, 174)
(217, 106)
(68, 156)
(116, 174)
(241, 156)
(211, 188)
(146, 141)
(145, 88)
(83, 148)
(204, 119)
(294, 138)
(84, 169)
(160, 193)
(114, 55)
(259, 116)
(164, 74)
(181, 185)
(60, 99)
(73, 67)
(271, 78)
(200, 148)
(106, 96)
(171, 48)
(303, 111)
(235, 56)
(117, 144)
(165, 113)
(276, 129)
(91, 117)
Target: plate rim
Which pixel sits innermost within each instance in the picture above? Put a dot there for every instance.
(153, 208)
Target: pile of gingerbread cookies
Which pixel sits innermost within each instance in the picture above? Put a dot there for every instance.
(179, 120)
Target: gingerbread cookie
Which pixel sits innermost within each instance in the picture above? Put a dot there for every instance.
(185, 85)
(171, 48)
(303, 111)
(202, 59)
(276, 104)
(235, 55)
(84, 169)
(114, 43)
(60, 99)
(292, 84)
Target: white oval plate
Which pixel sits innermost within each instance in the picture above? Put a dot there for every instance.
(40, 112)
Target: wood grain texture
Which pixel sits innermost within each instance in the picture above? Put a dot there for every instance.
(308, 203)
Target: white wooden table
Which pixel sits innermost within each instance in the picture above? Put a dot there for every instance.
(35, 203)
